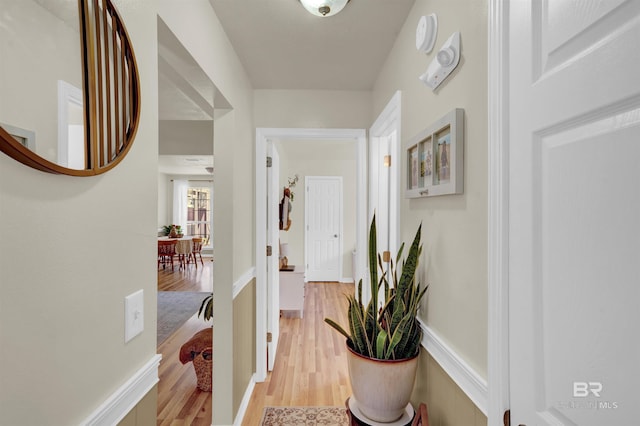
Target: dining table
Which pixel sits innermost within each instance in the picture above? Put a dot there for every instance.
(184, 247)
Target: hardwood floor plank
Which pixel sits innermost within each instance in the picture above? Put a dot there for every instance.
(180, 402)
(311, 363)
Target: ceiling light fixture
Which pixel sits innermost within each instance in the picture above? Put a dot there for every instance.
(324, 8)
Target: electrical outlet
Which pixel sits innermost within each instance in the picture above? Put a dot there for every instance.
(133, 315)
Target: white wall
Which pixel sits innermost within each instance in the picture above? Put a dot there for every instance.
(454, 226)
(319, 158)
(64, 276)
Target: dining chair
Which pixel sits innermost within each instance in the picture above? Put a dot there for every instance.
(196, 249)
(166, 252)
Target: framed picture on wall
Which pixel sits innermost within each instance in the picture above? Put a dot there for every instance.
(435, 160)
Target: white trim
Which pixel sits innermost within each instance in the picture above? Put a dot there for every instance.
(386, 124)
(244, 404)
(243, 281)
(498, 214)
(467, 379)
(122, 401)
(347, 280)
(67, 93)
(262, 136)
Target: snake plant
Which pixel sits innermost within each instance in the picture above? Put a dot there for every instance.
(387, 328)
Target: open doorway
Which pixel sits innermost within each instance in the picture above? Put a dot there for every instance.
(186, 199)
(357, 139)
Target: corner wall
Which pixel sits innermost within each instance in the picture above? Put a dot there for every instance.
(454, 226)
(233, 222)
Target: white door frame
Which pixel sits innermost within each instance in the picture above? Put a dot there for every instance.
(498, 214)
(386, 125)
(359, 136)
(307, 180)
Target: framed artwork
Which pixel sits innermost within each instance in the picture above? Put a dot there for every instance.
(435, 158)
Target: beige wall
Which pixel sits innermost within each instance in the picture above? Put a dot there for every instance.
(233, 135)
(319, 158)
(313, 109)
(454, 226)
(64, 278)
(446, 402)
(145, 413)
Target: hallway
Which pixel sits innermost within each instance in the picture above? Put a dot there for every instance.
(311, 366)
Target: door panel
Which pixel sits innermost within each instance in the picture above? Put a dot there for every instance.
(324, 228)
(574, 234)
(273, 276)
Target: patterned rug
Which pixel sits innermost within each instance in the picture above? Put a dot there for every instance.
(304, 416)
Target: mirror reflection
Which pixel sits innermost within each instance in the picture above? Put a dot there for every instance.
(42, 100)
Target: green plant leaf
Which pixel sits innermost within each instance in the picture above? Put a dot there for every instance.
(358, 334)
(373, 269)
(338, 327)
(380, 343)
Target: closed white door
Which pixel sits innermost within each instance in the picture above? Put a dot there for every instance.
(574, 212)
(323, 217)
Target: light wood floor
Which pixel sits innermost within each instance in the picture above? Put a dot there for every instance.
(310, 369)
(311, 364)
(180, 402)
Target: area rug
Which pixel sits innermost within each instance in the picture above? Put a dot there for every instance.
(175, 308)
(304, 416)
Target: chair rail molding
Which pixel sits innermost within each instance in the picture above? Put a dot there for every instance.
(467, 379)
(122, 401)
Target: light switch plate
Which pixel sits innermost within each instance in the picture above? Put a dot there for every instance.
(133, 315)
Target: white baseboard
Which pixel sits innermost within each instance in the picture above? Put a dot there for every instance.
(471, 383)
(347, 280)
(242, 410)
(120, 403)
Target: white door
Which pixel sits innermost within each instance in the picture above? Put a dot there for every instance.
(574, 212)
(323, 218)
(273, 265)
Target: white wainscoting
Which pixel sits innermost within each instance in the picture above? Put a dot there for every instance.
(242, 282)
(122, 401)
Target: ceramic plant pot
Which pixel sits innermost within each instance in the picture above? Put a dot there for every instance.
(381, 388)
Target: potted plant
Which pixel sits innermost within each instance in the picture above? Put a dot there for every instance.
(173, 231)
(384, 337)
(206, 308)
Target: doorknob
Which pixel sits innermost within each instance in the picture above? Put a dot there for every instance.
(335, 235)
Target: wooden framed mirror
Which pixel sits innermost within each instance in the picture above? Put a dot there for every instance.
(69, 85)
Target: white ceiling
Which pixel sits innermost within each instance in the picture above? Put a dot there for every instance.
(281, 46)
(185, 164)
